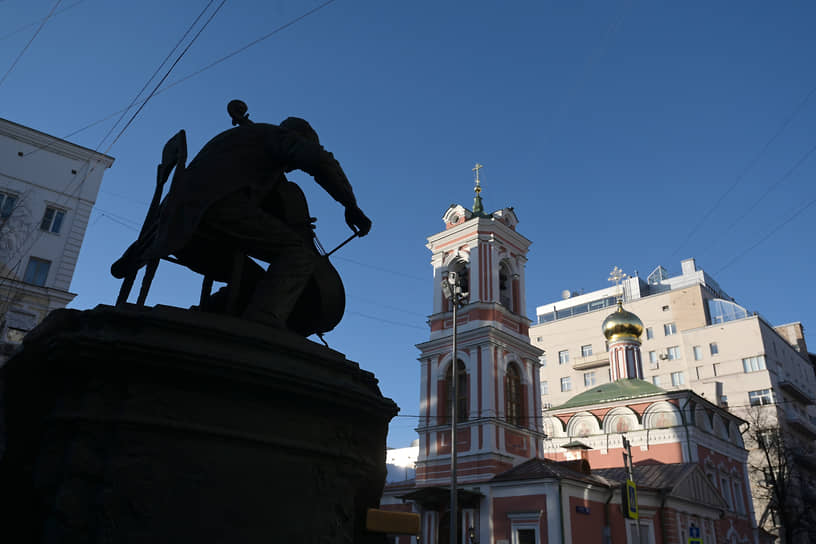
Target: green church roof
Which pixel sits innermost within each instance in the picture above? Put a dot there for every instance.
(608, 392)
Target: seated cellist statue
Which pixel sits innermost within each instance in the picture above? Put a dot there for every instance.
(228, 202)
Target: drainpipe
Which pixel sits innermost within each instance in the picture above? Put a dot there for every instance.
(607, 531)
(561, 513)
(685, 426)
(665, 497)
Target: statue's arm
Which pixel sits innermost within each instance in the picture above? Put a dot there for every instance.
(313, 159)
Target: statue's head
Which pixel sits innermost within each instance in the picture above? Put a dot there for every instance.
(300, 127)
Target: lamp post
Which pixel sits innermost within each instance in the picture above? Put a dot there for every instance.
(453, 292)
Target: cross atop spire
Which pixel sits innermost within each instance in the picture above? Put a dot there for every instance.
(478, 209)
(476, 169)
(617, 275)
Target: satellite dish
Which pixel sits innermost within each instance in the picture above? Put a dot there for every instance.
(565, 294)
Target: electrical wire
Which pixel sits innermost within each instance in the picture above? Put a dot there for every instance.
(156, 88)
(16, 60)
(35, 23)
(156, 72)
(751, 163)
(773, 231)
(208, 66)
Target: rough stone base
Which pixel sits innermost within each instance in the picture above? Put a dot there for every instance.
(163, 425)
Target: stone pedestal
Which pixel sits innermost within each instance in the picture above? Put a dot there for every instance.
(162, 425)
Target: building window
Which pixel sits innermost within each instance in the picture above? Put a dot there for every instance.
(739, 501)
(698, 353)
(589, 379)
(669, 329)
(37, 271)
(753, 364)
(512, 398)
(656, 380)
(716, 368)
(725, 489)
(563, 357)
(699, 370)
(566, 384)
(673, 353)
(543, 360)
(713, 348)
(506, 286)
(545, 388)
(644, 534)
(586, 350)
(653, 359)
(7, 203)
(665, 308)
(760, 397)
(52, 220)
(677, 379)
(649, 333)
(462, 397)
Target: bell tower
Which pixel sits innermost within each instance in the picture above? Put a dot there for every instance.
(498, 398)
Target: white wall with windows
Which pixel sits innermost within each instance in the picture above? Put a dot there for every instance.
(47, 190)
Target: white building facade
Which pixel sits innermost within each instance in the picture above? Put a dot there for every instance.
(48, 188)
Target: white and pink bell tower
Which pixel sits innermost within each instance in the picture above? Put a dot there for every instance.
(499, 401)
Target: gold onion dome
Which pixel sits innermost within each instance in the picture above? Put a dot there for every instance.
(622, 324)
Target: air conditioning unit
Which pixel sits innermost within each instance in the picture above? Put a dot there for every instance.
(664, 356)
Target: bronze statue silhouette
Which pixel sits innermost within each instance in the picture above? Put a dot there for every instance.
(233, 202)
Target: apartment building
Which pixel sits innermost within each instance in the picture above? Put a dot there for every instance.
(48, 187)
(695, 337)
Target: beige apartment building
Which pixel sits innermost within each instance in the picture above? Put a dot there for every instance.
(696, 337)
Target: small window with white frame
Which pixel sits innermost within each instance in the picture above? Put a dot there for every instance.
(673, 353)
(8, 201)
(586, 350)
(566, 384)
(713, 348)
(563, 357)
(589, 379)
(678, 379)
(753, 364)
(52, 220)
(698, 353)
(649, 333)
(760, 397)
(639, 531)
(545, 387)
(669, 329)
(653, 360)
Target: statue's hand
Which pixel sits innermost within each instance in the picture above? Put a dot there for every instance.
(357, 220)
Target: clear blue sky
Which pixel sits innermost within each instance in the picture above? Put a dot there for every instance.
(612, 127)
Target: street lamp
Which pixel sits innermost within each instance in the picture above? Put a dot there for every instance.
(453, 292)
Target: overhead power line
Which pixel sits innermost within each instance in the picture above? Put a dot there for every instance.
(748, 167)
(156, 72)
(35, 23)
(208, 66)
(42, 24)
(768, 191)
(773, 231)
(156, 88)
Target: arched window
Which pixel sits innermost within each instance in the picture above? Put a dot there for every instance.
(462, 392)
(512, 396)
(506, 286)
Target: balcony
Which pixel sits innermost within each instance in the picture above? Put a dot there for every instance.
(591, 361)
(796, 390)
(801, 424)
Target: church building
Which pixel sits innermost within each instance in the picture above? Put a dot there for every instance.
(524, 479)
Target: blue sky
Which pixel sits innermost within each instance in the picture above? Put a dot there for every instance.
(615, 129)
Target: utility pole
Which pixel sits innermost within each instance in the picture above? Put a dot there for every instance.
(453, 292)
(627, 460)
